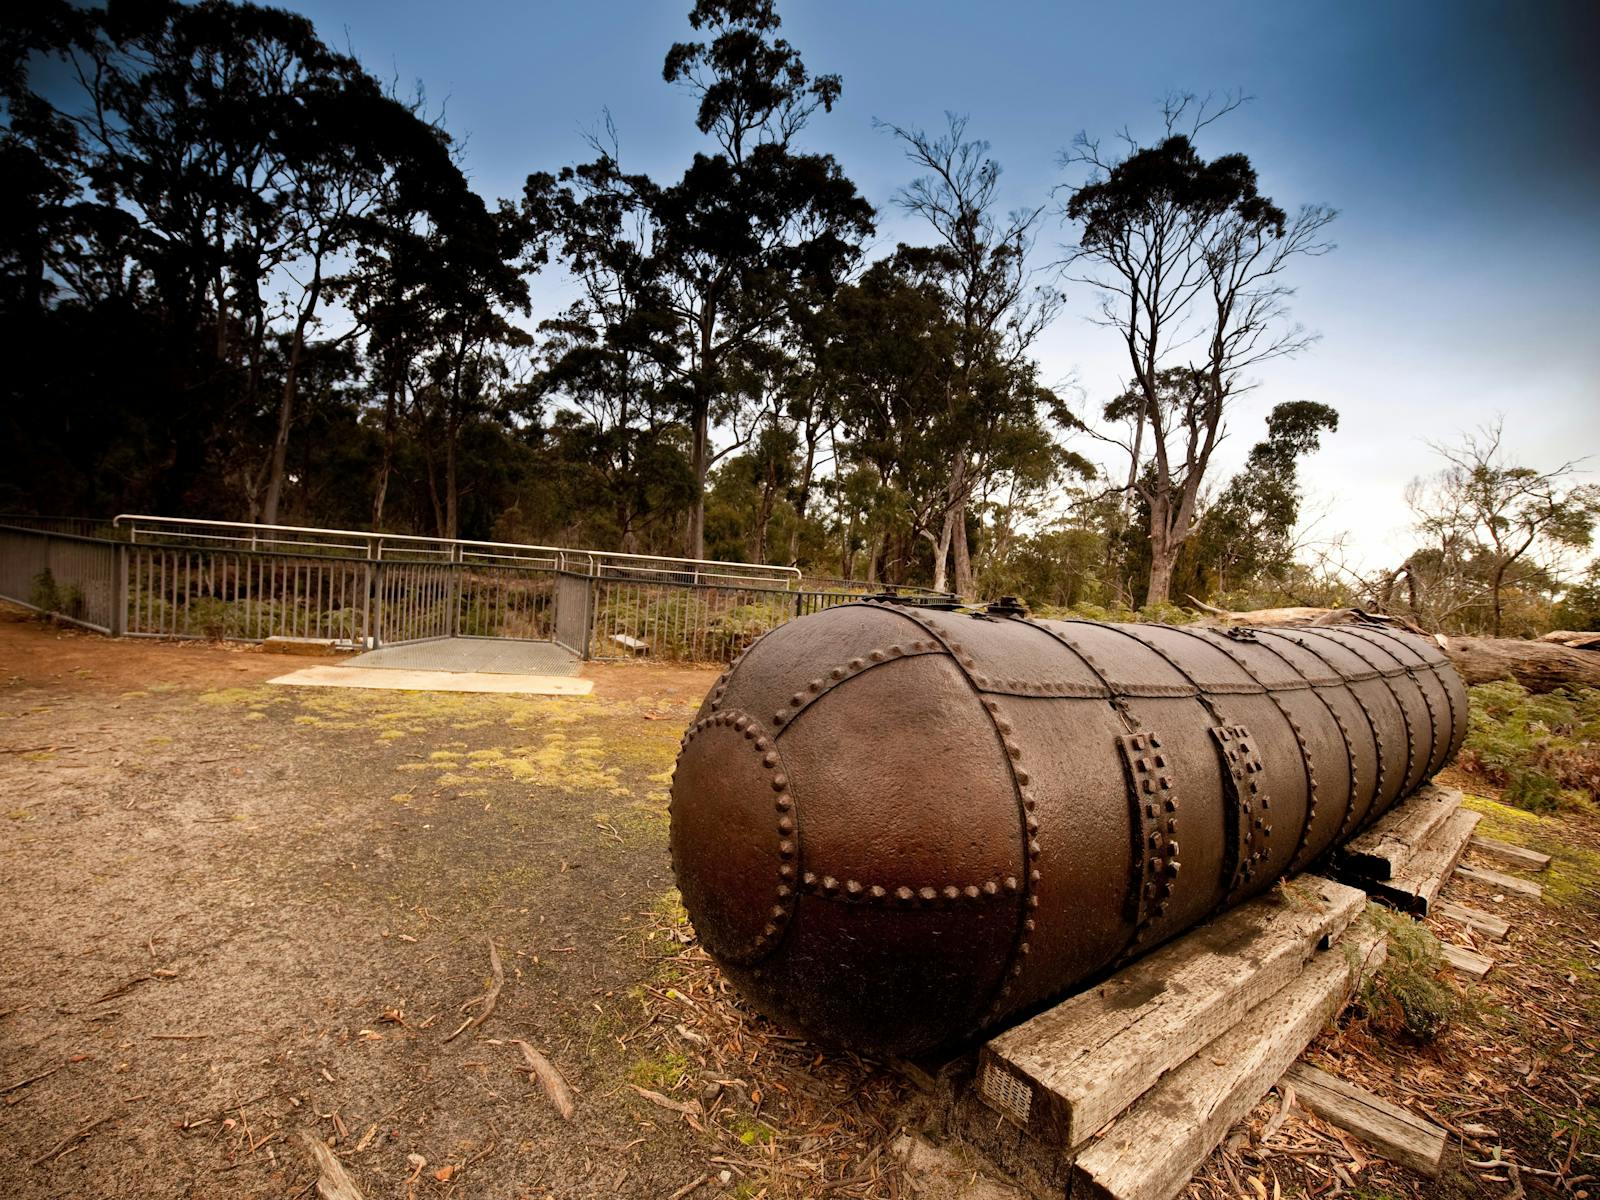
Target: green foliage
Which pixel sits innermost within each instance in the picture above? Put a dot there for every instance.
(219, 618)
(51, 597)
(1150, 614)
(1247, 531)
(1059, 567)
(1543, 750)
(1491, 526)
(1580, 607)
(1411, 995)
(1168, 614)
(688, 625)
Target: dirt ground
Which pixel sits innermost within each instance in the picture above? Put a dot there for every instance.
(238, 914)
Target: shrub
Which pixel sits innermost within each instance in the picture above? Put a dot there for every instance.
(688, 625)
(1411, 994)
(209, 617)
(1168, 614)
(49, 596)
(1544, 751)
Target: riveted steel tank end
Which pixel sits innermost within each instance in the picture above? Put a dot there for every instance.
(735, 841)
(845, 823)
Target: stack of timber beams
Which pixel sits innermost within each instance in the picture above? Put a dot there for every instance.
(1123, 1090)
(1409, 854)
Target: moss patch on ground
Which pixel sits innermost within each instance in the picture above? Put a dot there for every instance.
(1574, 872)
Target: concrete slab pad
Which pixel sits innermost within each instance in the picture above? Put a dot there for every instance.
(395, 679)
(494, 656)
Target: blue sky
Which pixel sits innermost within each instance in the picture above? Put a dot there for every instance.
(1459, 139)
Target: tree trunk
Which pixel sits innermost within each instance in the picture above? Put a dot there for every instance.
(700, 461)
(1162, 559)
(962, 552)
(941, 554)
(433, 493)
(1495, 594)
(695, 542)
(802, 500)
(1163, 548)
(286, 404)
(764, 520)
(1537, 666)
(452, 491)
(380, 490)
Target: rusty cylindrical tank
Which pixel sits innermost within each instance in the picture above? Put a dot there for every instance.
(894, 826)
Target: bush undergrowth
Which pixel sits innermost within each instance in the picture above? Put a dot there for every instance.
(1411, 994)
(1542, 750)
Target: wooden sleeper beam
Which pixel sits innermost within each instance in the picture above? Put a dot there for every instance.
(1065, 1073)
(1466, 962)
(1492, 927)
(1153, 1149)
(1385, 850)
(1516, 856)
(1416, 886)
(1394, 1132)
(1501, 882)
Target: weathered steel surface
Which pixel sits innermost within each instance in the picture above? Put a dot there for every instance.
(895, 826)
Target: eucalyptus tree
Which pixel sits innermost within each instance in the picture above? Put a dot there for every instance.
(890, 360)
(996, 309)
(1189, 259)
(476, 290)
(216, 161)
(1505, 523)
(1247, 532)
(747, 224)
(608, 355)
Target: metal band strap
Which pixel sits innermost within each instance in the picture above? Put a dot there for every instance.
(1247, 815)
(1027, 807)
(1153, 807)
(1411, 670)
(1294, 728)
(1344, 732)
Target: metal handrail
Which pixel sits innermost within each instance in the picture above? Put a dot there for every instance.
(374, 544)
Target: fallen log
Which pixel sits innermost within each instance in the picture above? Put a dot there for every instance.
(1537, 666)
(1559, 660)
(1573, 638)
(1301, 615)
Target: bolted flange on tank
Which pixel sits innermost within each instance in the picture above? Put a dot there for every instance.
(893, 827)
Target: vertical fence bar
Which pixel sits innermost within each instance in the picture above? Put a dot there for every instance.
(119, 590)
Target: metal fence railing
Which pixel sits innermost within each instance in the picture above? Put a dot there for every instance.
(76, 578)
(574, 617)
(507, 602)
(689, 622)
(301, 539)
(91, 527)
(179, 591)
(359, 590)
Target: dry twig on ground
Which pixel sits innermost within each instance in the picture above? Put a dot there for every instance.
(555, 1086)
(333, 1181)
(489, 999)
